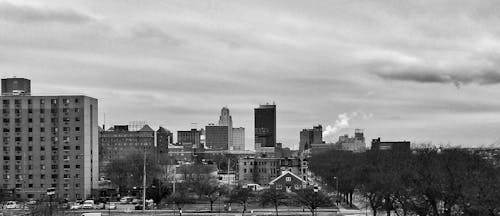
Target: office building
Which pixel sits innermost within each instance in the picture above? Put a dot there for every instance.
(354, 144)
(48, 142)
(164, 138)
(216, 137)
(265, 128)
(225, 119)
(238, 139)
(310, 136)
(190, 139)
(120, 142)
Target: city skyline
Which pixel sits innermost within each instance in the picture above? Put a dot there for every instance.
(419, 71)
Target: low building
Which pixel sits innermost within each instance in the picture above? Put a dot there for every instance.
(288, 182)
(263, 170)
(396, 146)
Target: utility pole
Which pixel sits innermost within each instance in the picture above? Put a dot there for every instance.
(144, 183)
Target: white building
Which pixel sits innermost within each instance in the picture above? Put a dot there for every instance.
(238, 139)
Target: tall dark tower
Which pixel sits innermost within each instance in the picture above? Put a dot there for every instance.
(265, 127)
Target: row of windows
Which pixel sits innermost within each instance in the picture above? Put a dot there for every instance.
(42, 101)
(42, 129)
(31, 196)
(42, 120)
(261, 163)
(42, 157)
(44, 167)
(42, 110)
(42, 139)
(42, 176)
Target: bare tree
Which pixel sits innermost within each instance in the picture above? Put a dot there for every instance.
(273, 197)
(312, 199)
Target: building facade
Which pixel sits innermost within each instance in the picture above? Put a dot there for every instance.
(49, 142)
(354, 144)
(265, 128)
(216, 137)
(238, 139)
(189, 138)
(310, 136)
(119, 142)
(263, 170)
(396, 146)
(225, 119)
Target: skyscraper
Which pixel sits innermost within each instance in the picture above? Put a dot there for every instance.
(216, 137)
(310, 136)
(265, 128)
(238, 139)
(48, 142)
(225, 119)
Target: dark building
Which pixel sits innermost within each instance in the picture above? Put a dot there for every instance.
(16, 86)
(163, 138)
(190, 138)
(216, 137)
(396, 146)
(310, 136)
(265, 127)
(119, 142)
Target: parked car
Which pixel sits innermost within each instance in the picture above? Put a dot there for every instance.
(12, 205)
(111, 206)
(136, 201)
(126, 200)
(88, 204)
(75, 206)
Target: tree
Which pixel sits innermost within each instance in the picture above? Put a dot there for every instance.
(181, 197)
(127, 172)
(273, 197)
(209, 190)
(241, 195)
(312, 199)
(158, 191)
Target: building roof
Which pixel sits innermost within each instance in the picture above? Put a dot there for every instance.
(146, 128)
(163, 130)
(283, 173)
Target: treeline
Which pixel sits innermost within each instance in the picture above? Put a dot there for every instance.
(427, 181)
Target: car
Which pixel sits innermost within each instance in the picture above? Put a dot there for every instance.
(111, 206)
(136, 201)
(75, 206)
(88, 204)
(12, 205)
(126, 200)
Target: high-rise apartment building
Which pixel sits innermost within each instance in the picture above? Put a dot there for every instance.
(48, 142)
(310, 136)
(265, 128)
(216, 137)
(238, 139)
(225, 119)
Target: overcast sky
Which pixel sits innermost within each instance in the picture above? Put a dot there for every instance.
(424, 71)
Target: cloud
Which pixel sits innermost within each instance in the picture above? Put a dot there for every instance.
(341, 123)
(487, 77)
(36, 14)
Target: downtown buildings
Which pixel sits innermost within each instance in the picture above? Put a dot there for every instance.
(265, 128)
(48, 142)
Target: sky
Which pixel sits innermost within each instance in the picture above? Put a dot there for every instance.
(423, 71)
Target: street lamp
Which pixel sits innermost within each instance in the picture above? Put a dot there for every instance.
(337, 185)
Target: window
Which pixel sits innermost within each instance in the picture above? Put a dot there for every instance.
(6, 130)
(30, 185)
(66, 129)
(30, 176)
(77, 138)
(77, 128)
(77, 147)
(30, 139)
(278, 186)
(77, 100)
(30, 120)
(42, 176)
(244, 170)
(288, 179)
(297, 187)
(42, 120)
(30, 110)
(42, 101)
(77, 166)
(42, 167)
(18, 139)
(53, 101)
(29, 101)
(42, 148)
(77, 109)
(30, 148)
(42, 130)
(30, 130)
(66, 166)
(42, 157)
(77, 119)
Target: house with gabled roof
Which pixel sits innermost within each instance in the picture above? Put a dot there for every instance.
(288, 182)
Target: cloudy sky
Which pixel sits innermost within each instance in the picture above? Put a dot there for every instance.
(424, 71)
